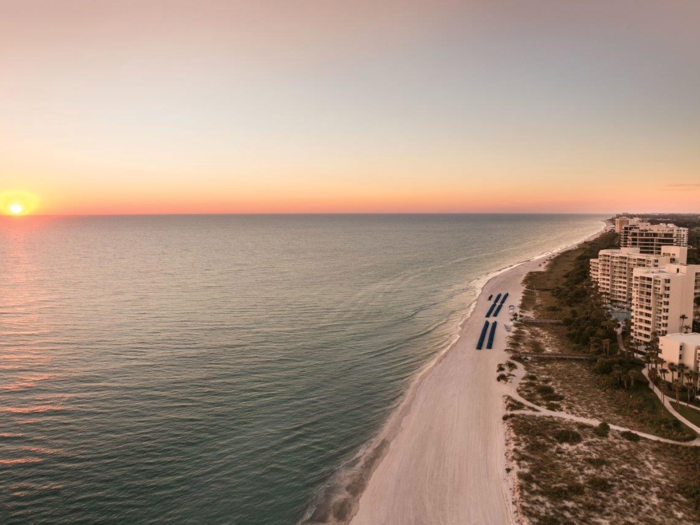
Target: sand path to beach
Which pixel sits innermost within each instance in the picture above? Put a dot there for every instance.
(446, 462)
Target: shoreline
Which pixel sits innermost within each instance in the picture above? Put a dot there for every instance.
(400, 485)
(393, 481)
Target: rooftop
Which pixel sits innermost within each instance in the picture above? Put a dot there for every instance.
(691, 339)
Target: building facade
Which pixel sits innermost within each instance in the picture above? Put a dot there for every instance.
(621, 222)
(612, 271)
(681, 348)
(650, 238)
(663, 300)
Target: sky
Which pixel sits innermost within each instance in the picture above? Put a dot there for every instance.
(308, 106)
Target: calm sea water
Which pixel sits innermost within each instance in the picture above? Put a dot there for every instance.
(219, 368)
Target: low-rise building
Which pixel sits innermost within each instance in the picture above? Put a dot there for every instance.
(681, 348)
(663, 300)
(612, 270)
(651, 238)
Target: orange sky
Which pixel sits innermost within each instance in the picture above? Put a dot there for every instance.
(219, 106)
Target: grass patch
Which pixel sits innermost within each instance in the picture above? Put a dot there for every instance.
(690, 414)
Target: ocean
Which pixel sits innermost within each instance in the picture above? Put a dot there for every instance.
(221, 369)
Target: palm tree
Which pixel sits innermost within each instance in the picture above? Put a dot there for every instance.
(663, 373)
(684, 326)
(677, 386)
(617, 370)
(653, 345)
(681, 370)
(688, 384)
(691, 378)
(648, 360)
(672, 368)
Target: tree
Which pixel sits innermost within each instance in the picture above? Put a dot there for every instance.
(681, 371)
(653, 345)
(663, 373)
(684, 326)
(594, 344)
(617, 370)
(652, 378)
(606, 346)
(672, 368)
(688, 384)
(677, 387)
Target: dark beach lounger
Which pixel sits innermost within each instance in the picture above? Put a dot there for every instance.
(489, 345)
(485, 329)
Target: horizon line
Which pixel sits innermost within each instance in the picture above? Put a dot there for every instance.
(326, 213)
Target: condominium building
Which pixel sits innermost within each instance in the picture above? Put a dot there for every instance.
(663, 299)
(681, 348)
(650, 238)
(612, 270)
(621, 222)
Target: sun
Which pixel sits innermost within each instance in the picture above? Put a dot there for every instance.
(16, 208)
(18, 203)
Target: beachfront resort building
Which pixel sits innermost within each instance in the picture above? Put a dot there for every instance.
(650, 238)
(681, 348)
(612, 270)
(621, 222)
(663, 300)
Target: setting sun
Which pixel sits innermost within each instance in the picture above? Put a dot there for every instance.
(18, 203)
(16, 209)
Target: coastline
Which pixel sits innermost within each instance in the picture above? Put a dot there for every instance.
(441, 455)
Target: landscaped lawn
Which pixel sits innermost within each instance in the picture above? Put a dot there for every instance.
(690, 414)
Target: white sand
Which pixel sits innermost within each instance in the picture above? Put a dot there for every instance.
(446, 460)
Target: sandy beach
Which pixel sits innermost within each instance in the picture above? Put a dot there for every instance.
(445, 462)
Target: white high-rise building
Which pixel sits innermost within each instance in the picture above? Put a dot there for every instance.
(612, 270)
(681, 348)
(663, 300)
(650, 238)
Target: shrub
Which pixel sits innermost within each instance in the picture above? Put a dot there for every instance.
(553, 397)
(568, 436)
(602, 430)
(631, 436)
(502, 377)
(545, 390)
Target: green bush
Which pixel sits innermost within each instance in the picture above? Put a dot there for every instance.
(631, 436)
(545, 390)
(568, 436)
(602, 430)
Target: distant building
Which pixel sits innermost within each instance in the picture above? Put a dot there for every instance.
(681, 348)
(621, 222)
(660, 299)
(650, 238)
(612, 270)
